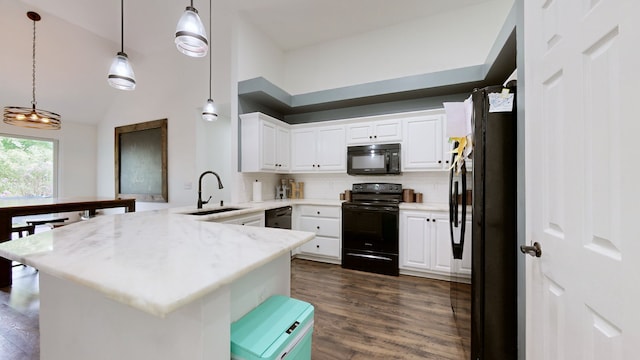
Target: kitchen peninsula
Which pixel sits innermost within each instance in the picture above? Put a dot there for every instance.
(21, 207)
(151, 285)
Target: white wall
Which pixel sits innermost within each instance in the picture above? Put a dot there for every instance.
(173, 86)
(258, 56)
(444, 41)
(441, 42)
(76, 155)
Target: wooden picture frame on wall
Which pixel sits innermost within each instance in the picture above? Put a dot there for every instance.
(141, 161)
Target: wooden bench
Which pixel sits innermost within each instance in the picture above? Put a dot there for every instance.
(36, 222)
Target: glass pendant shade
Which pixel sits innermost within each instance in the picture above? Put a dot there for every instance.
(209, 111)
(121, 74)
(191, 36)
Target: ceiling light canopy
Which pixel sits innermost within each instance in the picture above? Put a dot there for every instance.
(121, 74)
(191, 36)
(30, 116)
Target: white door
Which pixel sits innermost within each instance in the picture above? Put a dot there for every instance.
(422, 143)
(268, 131)
(581, 136)
(332, 149)
(303, 149)
(283, 143)
(415, 235)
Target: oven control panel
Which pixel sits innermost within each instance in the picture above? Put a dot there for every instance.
(385, 188)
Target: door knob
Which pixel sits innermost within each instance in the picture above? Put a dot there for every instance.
(535, 250)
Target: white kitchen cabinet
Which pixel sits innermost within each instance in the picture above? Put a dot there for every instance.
(442, 253)
(318, 149)
(265, 144)
(415, 240)
(325, 222)
(256, 219)
(425, 244)
(447, 147)
(422, 147)
(370, 132)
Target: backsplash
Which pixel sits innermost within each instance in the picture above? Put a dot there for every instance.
(433, 185)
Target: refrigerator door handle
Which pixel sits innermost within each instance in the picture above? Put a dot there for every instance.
(455, 204)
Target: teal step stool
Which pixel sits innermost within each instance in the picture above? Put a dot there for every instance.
(279, 328)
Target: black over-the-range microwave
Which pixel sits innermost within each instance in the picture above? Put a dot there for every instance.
(373, 159)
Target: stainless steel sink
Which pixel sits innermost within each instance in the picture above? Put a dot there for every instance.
(213, 211)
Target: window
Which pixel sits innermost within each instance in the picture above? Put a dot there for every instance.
(27, 167)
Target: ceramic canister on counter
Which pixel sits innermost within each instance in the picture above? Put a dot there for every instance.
(418, 197)
(347, 195)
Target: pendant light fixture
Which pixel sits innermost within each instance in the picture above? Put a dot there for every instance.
(209, 109)
(32, 117)
(191, 36)
(121, 74)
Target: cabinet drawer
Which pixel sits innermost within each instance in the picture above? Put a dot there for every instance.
(321, 226)
(320, 211)
(322, 246)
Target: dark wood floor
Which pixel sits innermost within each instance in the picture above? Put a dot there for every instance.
(19, 306)
(368, 316)
(357, 315)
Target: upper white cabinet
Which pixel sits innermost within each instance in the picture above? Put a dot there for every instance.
(368, 132)
(422, 145)
(270, 145)
(265, 143)
(318, 149)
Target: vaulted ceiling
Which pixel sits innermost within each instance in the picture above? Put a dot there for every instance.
(78, 38)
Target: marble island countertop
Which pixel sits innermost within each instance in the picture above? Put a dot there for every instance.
(156, 261)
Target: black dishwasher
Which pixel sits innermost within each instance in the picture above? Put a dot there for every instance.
(278, 217)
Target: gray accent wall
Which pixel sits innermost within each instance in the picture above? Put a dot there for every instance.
(410, 93)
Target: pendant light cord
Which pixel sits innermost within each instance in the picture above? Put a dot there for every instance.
(33, 68)
(121, 25)
(210, 48)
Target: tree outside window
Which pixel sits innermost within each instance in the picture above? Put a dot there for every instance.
(26, 167)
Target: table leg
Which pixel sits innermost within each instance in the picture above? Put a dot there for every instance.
(5, 264)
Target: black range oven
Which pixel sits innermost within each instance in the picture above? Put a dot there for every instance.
(370, 228)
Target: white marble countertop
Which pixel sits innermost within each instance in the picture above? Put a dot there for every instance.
(155, 261)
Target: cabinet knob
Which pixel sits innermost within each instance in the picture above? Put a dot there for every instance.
(370, 137)
(439, 161)
(318, 165)
(446, 162)
(314, 165)
(375, 136)
(317, 246)
(318, 227)
(318, 212)
(428, 219)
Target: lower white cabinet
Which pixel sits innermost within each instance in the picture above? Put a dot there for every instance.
(425, 244)
(247, 220)
(324, 220)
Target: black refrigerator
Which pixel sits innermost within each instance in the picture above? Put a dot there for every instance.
(486, 311)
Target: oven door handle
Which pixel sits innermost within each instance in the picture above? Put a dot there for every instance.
(371, 208)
